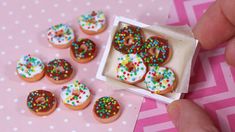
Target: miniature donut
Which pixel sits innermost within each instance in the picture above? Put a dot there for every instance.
(30, 68)
(156, 51)
(93, 22)
(160, 80)
(128, 40)
(59, 71)
(83, 51)
(76, 96)
(41, 102)
(106, 109)
(61, 36)
(131, 68)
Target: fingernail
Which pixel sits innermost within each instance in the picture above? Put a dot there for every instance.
(174, 112)
(229, 52)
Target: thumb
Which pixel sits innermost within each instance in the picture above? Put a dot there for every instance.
(187, 116)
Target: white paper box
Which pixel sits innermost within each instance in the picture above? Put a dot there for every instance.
(117, 85)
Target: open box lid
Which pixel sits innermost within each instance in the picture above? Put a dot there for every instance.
(181, 31)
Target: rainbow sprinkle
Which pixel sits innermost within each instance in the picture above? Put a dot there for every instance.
(159, 46)
(75, 94)
(106, 107)
(137, 71)
(60, 34)
(166, 79)
(29, 66)
(125, 34)
(92, 21)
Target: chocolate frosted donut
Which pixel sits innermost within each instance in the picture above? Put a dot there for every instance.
(83, 50)
(59, 71)
(155, 51)
(128, 40)
(41, 102)
(106, 109)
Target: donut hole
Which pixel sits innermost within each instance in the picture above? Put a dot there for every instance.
(59, 33)
(130, 67)
(92, 21)
(154, 51)
(60, 69)
(158, 78)
(128, 40)
(29, 65)
(83, 48)
(76, 92)
(109, 107)
(40, 100)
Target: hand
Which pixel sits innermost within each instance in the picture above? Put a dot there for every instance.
(216, 26)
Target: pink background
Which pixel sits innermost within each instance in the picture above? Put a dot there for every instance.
(23, 30)
(212, 86)
(23, 27)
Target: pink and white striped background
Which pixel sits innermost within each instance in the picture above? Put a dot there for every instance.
(212, 86)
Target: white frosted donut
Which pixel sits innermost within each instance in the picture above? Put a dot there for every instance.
(75, 94)
(92, 21)
(160, 80)
(60, 34)
(28, 66)
(131, 68)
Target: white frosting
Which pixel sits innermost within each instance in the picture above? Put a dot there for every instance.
(29, 66)
(65, 37)
(131, 76)
(68, 96)
(92, 21)
(167, 80)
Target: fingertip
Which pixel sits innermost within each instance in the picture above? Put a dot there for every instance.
(201, 31)
(200, 35)
(186, 115)
(173, 111)
(213, 28)
(172, 106)
(230, 52)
